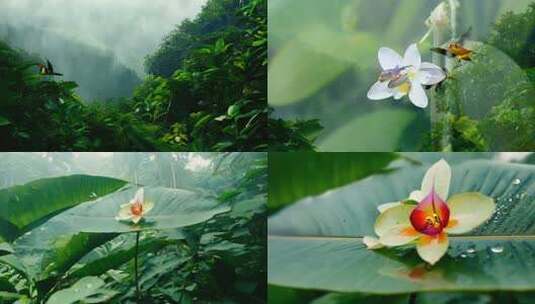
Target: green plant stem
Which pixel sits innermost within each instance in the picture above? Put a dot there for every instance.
(135, 268)
(412, 298)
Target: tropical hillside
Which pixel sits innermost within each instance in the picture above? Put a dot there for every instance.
(206, 90)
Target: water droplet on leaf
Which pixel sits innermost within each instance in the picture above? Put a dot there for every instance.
(516, 181)
(471, 250)
(497, 249)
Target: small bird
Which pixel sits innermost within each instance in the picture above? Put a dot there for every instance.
(456, 48)
(47, 69)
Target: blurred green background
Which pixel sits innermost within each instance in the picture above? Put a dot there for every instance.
(323, 59)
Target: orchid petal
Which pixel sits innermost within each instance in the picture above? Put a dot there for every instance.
(432, 248)
(430, 74)
(399, 236)
(412, 56)
(395, 217)
(417, 95)
(417, 195)
(431, 215)
(383, 207)
(437, 177)
(469, 210)
(124, 213)
(139, 197)
(372, 242)
(147, 206)
(379, 90)
(389, 59)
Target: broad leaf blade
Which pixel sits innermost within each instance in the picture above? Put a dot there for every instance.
(293, 176)
(24, 206)
(173, 208)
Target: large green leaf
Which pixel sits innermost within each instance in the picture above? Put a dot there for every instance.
(370, 132)
(86, 290)
(316, 243)
(112, 260)
(340, 298)
(22, 207)
(62, 241)
(173, 208)
(293, 176)
(297, 72)
(4, 121)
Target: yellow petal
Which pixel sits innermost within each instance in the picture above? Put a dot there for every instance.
(136, 219)
(371, 242)
(382, 208)
(437, 177)
(394, 217)
(399, 236)
(469, 210)
(147, 206)
(432, 248)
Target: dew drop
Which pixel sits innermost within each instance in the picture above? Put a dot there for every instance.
(463, 255)
(150, 254)
(28, 233)
(516, 181)
(497, 249)
(471, 250)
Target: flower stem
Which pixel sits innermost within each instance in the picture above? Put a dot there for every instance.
(136, 268)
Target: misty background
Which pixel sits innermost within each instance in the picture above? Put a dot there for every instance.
(100, 44)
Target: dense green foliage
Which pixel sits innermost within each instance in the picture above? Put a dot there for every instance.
(212, 95)
(221, 260)
(40, 114)
(483, 115)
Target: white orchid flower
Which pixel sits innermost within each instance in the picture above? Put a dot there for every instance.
(407, 75)
(135, 209)
(428, 223)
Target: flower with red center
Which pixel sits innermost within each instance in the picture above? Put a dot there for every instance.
(428, 216)
(135, 209)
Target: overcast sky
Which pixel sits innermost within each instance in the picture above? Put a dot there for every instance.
(131, 28)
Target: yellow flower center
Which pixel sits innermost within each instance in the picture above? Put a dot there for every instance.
(433, 220)
(404, 87)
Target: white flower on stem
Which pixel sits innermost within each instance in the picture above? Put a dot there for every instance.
(429, 216)
(405, 75)
(439, 16)
(135, 209)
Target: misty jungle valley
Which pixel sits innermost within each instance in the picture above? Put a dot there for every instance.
(203, 87)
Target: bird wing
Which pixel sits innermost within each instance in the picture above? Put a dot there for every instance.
(50, 67)
(440, 51)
